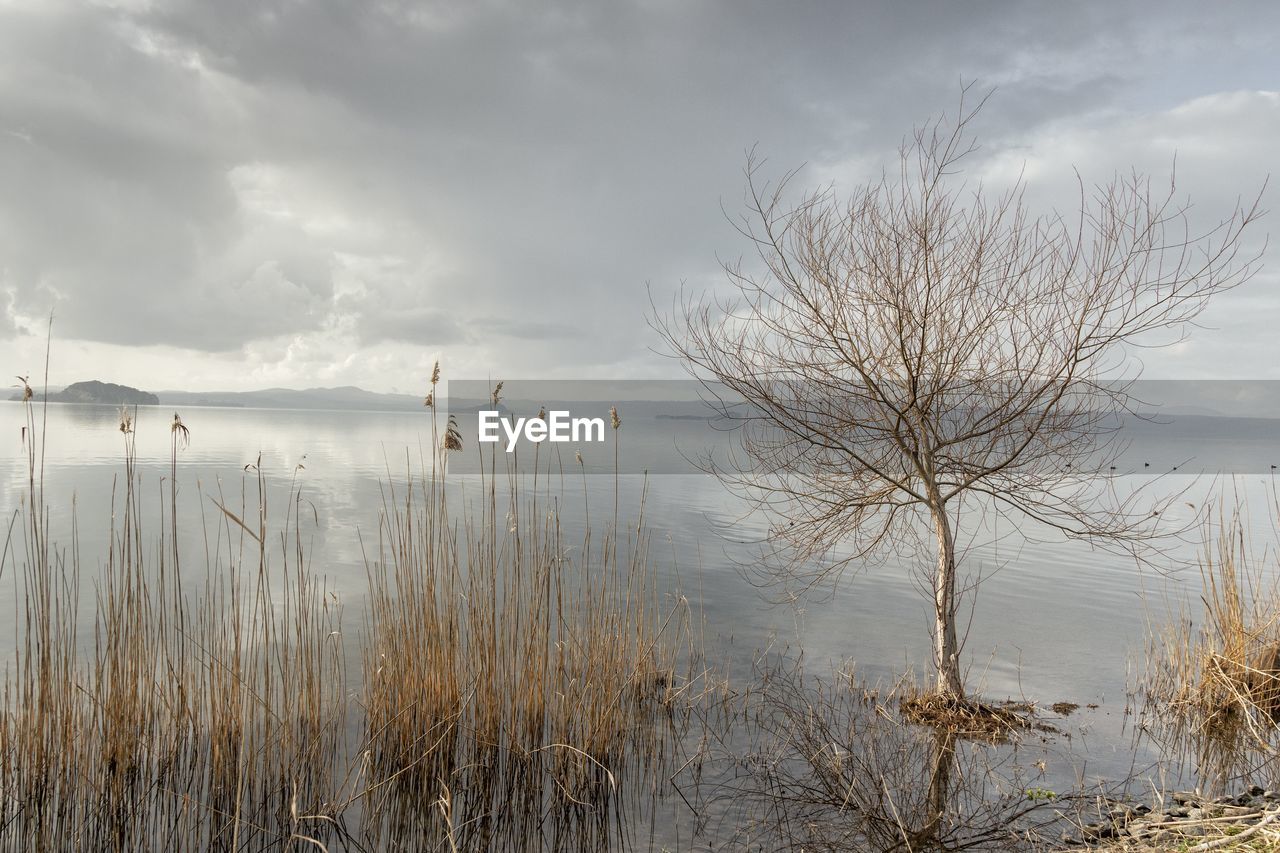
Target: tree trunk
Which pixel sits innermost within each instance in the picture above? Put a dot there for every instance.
(944, 761)
(946, 650)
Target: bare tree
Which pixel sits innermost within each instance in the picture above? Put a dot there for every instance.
(922, 344)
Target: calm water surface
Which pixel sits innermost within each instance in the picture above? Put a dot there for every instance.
(1055, 621)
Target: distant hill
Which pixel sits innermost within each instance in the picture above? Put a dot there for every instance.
(99, 393)
(347, 397)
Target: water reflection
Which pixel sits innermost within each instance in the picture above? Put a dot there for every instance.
(512, 692)
(1056, 622)
(832, 764)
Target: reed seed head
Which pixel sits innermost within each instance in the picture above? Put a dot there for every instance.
(613, 417)
(497, 394)
(430, 402)
(179, 430)
(452, 435)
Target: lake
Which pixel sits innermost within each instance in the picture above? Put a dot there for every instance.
(1054, 621)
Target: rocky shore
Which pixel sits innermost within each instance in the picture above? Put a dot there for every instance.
(1188, 821)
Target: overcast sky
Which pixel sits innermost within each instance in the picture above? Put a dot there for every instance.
(251, 193)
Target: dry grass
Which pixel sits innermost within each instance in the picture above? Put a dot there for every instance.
(520, 674)
(970, 719)
(1216, 688)
(1253, 830)
(509, 691)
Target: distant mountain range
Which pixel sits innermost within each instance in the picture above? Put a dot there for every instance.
(95, 392)
(345, 397)
(1161, 399)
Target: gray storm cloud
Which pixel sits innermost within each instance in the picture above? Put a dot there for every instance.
(301, 191)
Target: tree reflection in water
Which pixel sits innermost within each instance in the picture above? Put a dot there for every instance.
(832, 764)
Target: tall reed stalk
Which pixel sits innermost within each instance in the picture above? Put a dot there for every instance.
(510, 673)
(209, 721)
(509, 687)
(1214, 686)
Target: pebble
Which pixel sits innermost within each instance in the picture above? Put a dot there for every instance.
(1179, 820)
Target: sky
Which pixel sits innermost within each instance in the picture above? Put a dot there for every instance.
(242, 194)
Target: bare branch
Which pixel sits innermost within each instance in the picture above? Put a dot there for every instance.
(920, 344)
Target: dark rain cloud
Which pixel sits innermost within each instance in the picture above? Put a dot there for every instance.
(504, 180)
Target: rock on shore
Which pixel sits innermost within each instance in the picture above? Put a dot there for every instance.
(1185, 820)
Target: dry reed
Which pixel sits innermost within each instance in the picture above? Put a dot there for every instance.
(1215, 688)
(509, 674)
(509, 687)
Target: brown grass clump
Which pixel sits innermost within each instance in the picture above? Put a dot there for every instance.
(1216, 687)
(511, 690)
(509, 673)
(970, 719)
(183, 721)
